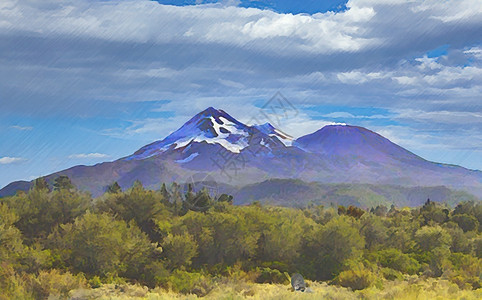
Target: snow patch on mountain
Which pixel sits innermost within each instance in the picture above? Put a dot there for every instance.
(226, 134)
(187, 159)
(271, 131)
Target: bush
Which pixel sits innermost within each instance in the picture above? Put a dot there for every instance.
(357, 279)
(12, 286)
(466, 270)
(391, 274)
(55, 283)
(268, 275)
(190, 283)
(95, 282)
(395, 259)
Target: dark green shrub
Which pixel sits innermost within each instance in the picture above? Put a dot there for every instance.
(466, 270)
(268, 275)
(478, 247)
(466, 222)
(395, 259)
(390, 274)
(95, 282)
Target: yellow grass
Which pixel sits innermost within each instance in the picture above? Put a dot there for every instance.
(409, 289)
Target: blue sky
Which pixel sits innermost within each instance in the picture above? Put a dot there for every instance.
(83, 82)
(281, 6)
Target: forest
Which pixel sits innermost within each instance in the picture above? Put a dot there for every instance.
(58, 242)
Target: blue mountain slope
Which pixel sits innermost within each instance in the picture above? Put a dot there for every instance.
(215, 144)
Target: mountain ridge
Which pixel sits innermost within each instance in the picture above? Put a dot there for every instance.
(215, 144)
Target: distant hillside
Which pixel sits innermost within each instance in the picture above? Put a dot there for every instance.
(296, 193)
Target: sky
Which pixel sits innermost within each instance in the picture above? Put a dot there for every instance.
(88, 81)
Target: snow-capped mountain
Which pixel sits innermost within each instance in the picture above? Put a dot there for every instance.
(212, 129)
(211, 126)
(213, 144)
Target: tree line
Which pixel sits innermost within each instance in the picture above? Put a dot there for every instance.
(186, 240)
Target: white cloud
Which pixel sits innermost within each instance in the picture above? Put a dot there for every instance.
(446, 117)
(150, 73)
(11, 160)
(232, 84)
(339, 114)
(89, 155)
(474, 51)
(141, 49)
(370, 55)
(406, 80)
(22, 128)
(356, 77)
(364, 25)
(346, 115)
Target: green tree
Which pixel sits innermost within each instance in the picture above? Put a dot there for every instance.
(10, 237)
(225, 198)
(460, 242)
(179, 249)
(477, 245)
(67, 204)
(40, 211)
(137, 204)
(465, 207)
(332, 246)
(354, 212)
(432, 212)
(439, 261)
(430, 237)
(176, 197)
(114, 188)
(466, 222)
(41, 184)
(166, 196)
(373, 230)
(282, 238)
(395, 259)
(380, 210)
(201, 201)
(101, 245)
(63, 182)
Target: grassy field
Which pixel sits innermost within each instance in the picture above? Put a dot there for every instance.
(413, 288)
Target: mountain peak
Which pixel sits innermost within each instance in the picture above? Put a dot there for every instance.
(352, 140)
(210, 117)
(212, 126)
(212, 111)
